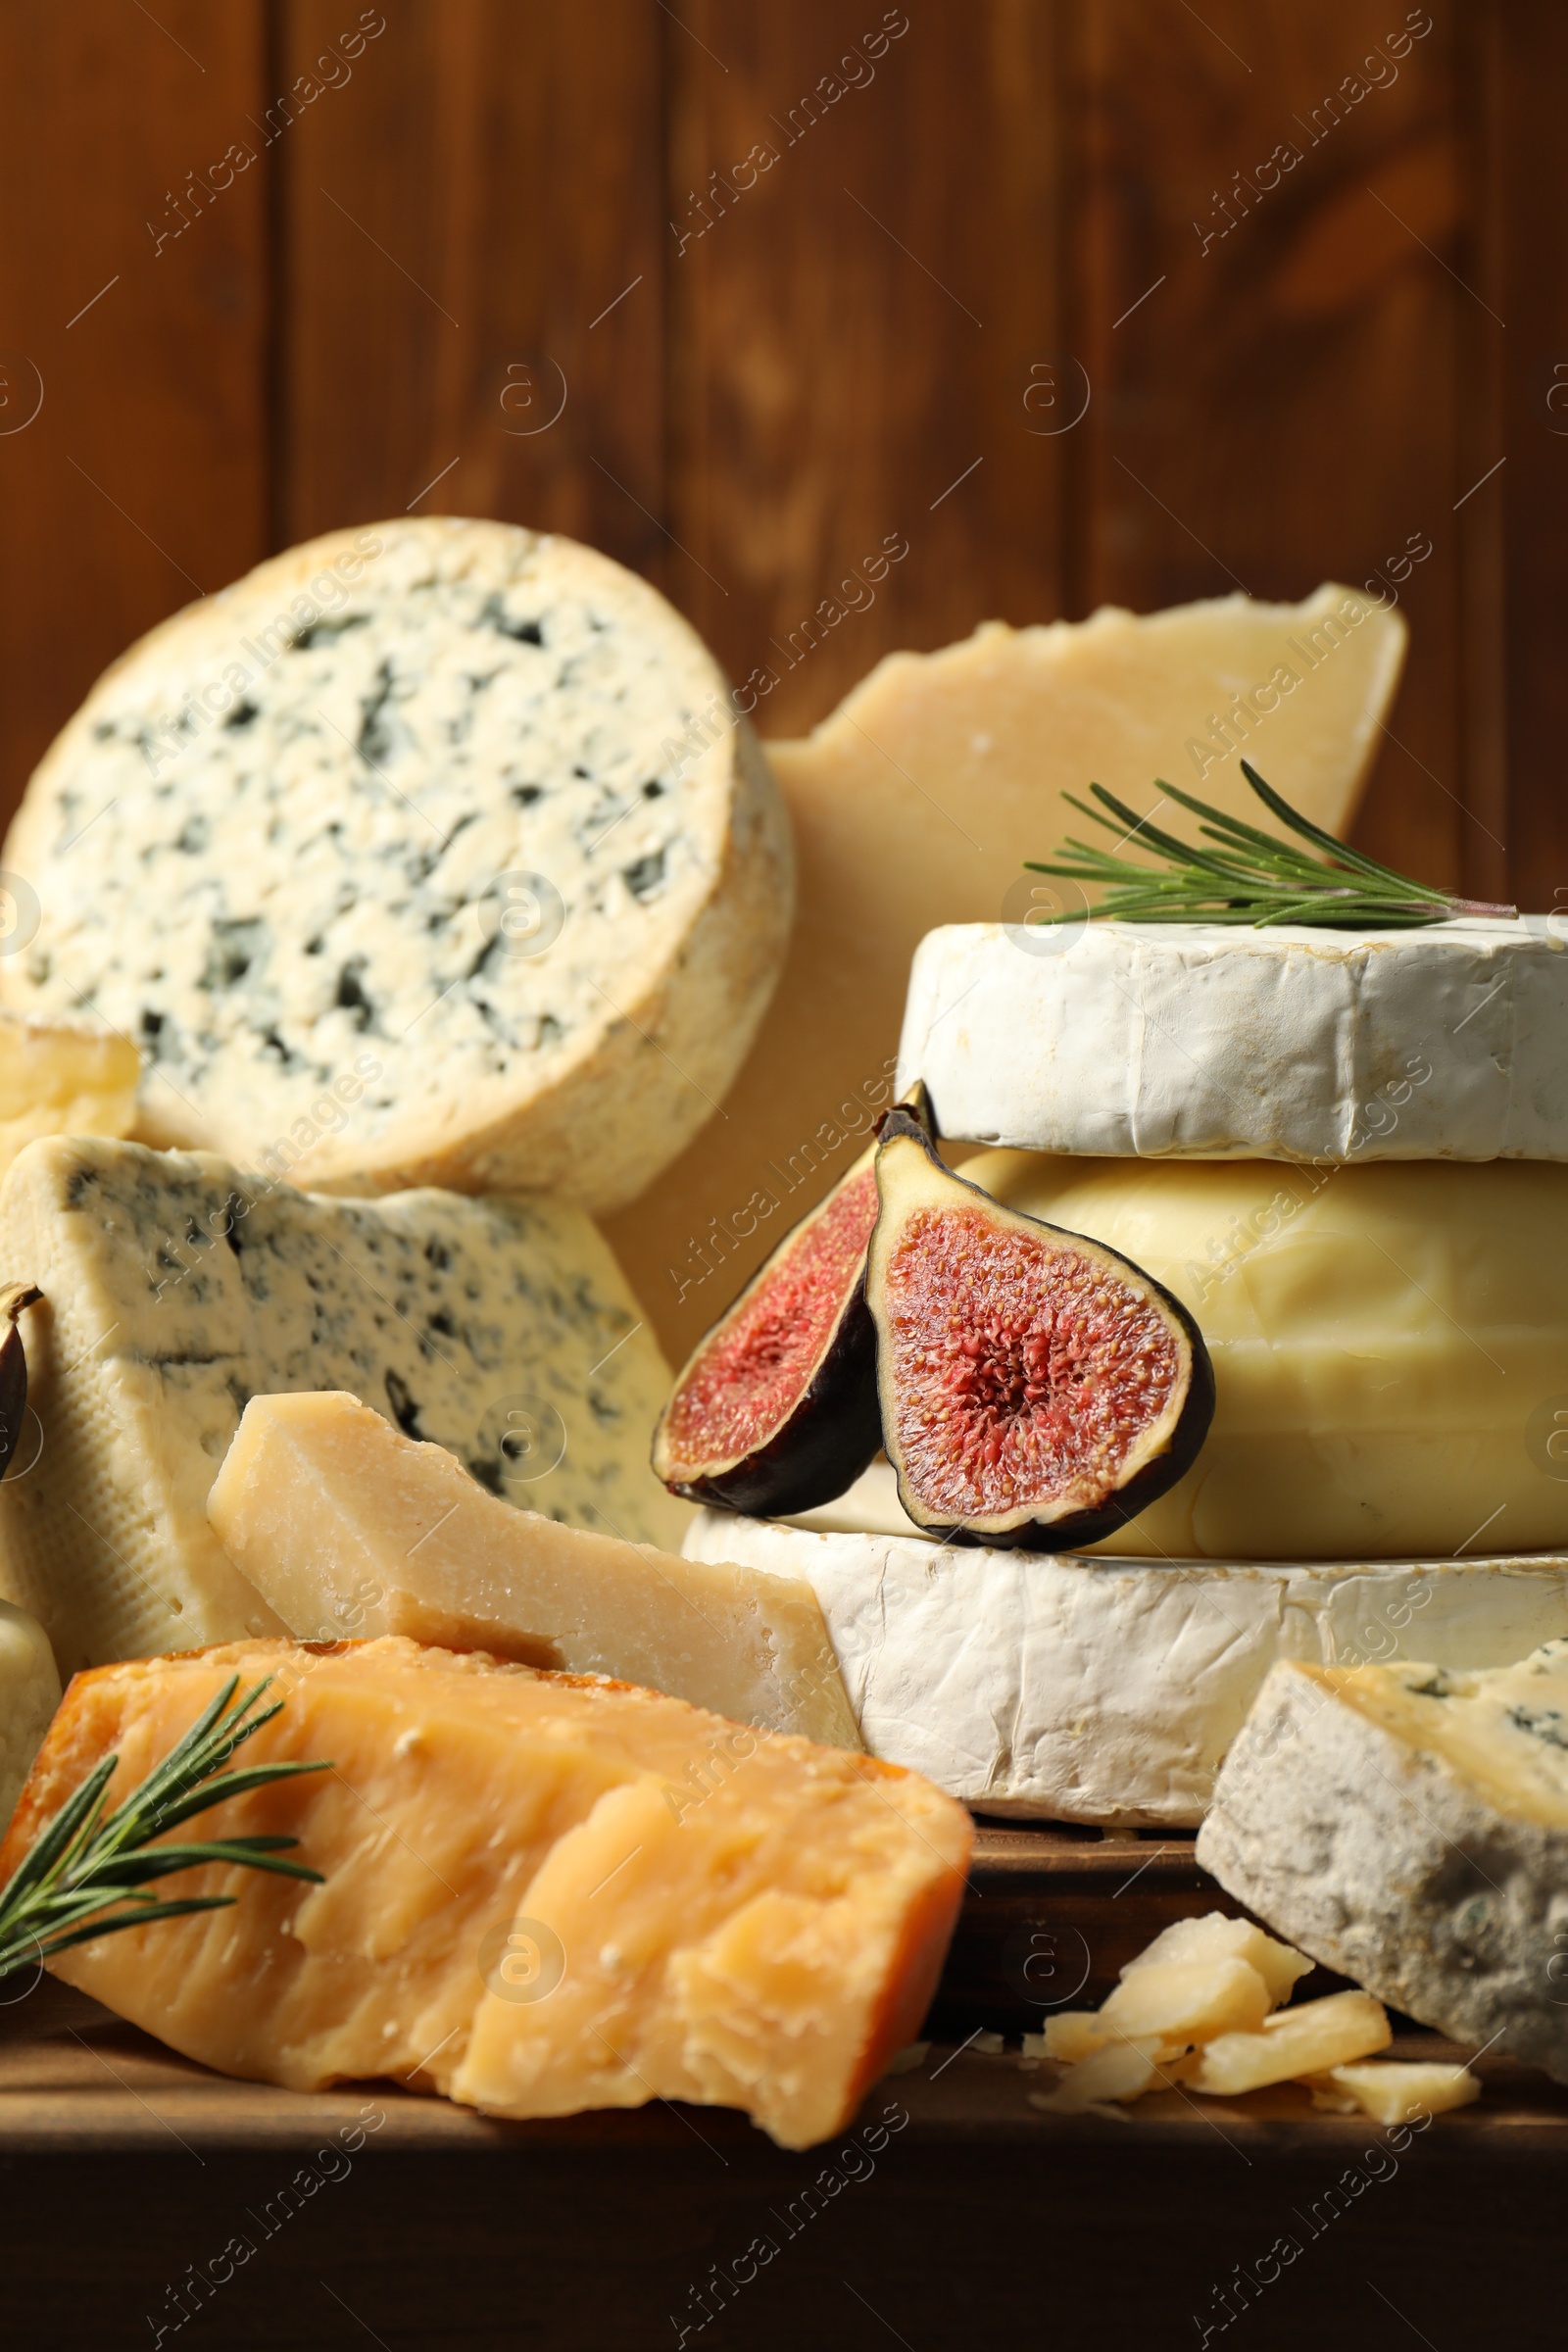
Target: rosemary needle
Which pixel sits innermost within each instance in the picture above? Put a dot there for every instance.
(85, 1862)
(1247, 876)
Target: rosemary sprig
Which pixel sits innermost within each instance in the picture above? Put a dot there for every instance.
(1248, 878)
(83, 1863)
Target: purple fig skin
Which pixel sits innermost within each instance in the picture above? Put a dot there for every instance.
(834, 1430)
(14, 1297)
(1146, 1486)
(830, 1437)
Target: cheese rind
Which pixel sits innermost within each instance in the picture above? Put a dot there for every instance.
(1200, 1041)
(174, 1288)
(519, 1909)
(1389, 1345)
(1408, 1826)
(459, 802)
(30, 1692)
(347, 1529)
(1073, 1687)
(62, 1077)
(916, 804)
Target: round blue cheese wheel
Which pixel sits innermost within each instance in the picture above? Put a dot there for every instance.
(431, 853)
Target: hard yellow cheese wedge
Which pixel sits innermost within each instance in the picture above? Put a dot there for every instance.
(62, 1077)
(528, 1902)
(346, 1528)
(915, 805)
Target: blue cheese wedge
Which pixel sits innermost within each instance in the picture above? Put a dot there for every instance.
(1408, 1825)
(462, 809)
(176, 1289)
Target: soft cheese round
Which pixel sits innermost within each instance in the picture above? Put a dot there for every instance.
(1201, 1042)
(1390, 1346)
(460, 803)
(1074, 1688)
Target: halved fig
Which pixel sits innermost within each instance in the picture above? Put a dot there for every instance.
(1037, 1388)
(776, 1410)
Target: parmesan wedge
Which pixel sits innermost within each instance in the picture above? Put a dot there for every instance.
(346, 1528)
(524, 1906)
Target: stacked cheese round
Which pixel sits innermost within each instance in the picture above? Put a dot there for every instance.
(1347, 1154)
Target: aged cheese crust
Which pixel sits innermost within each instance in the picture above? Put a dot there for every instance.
(460, 800)
(541, 1893)
(174, 1288)
(1409, 1828)
(1076, 1689)
(1197, 1041)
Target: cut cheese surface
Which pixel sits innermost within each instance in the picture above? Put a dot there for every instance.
(1075, 1687)
(1503, 1733)
(1408, 1825)
(30, 1692)
(541, 1894)
(1393, 2091)
(347, 1529)
(1214, 1937)
(455, 809)
(62, 1077)
(1390, 1346)
(1200, 1041)
(1310, 2039)
(176, 1289)
(916, 804)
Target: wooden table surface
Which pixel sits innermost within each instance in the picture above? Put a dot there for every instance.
(953, 2212)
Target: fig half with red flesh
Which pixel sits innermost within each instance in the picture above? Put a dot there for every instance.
(1038, 1389)
(776, 1408)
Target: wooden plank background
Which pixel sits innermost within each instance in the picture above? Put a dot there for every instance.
(732, 292)
(1089, 300)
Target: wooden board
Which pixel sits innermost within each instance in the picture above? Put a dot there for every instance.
(1049, 1919)
(490, 200)
(140, 2191)
(134, 316)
